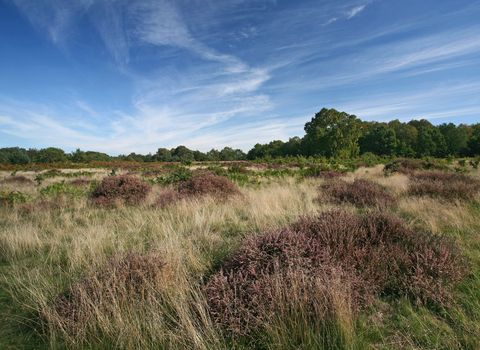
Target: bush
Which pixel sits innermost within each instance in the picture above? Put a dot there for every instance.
(81, 182)
(19, 157)
(125, 278)
(18, 180)
(125, 187)
(334, 252)
(175, 176)
(200, 185)
(407, 166)
(361, 193)
(169, 197)
(446, 185)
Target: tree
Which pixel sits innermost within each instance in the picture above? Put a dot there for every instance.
(51, 155)
(19, 156)
(230, 154)
(163, 155)
(455, 138)
(430, 142)
(182, 154)
(332, 134)
(405, 133)
(380, 141)
(199, 156)
(4, 158)
(213, 155)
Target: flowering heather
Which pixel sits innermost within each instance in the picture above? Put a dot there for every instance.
(445, 185)
(125, 187)
(370, 255)
(200, 185)
(361, 193)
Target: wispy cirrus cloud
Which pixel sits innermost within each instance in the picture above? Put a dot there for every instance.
(353, 12)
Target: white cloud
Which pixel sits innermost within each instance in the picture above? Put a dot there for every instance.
(355, 11)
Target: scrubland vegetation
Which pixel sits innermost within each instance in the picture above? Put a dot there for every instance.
(241, 255)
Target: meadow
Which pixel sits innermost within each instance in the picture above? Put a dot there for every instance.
(241, 256)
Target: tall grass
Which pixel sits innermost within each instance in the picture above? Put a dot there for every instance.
(47, 249)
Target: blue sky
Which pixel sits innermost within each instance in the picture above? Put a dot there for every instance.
(122, 76)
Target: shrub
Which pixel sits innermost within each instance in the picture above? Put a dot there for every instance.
(407, 166)
(169, 197)
(200, 185)
(446, 185)
(206, 183)
(124, 278)
(80, 182)
(19, 156)
(125, 187)
(376, 254)
(361, 193)
(17, 179)
(175, 176)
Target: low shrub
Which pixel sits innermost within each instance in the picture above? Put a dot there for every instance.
(200, 185)
(315, 260)
(176, 175)
(61, 188)
(125, 187)
(167, 198)
(206, 183)
(17, 180)
(125, 278)
(361, 192)
(12, 197)
(81, 182)
(446, 185)
(407, 166)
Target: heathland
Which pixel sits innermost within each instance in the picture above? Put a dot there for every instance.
(241, 255)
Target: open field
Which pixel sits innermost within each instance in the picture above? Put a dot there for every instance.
(54, 243)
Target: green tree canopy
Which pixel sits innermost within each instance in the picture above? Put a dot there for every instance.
(19, 156)
(332, 134)
(380, 141)
(51, 155)
(455, 138)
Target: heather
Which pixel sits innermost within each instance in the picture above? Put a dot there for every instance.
(17, 179)
(124, 187)
(449, 186)
(201, 184)
(366, 256)
(361, 192)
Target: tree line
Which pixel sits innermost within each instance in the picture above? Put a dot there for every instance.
(329, 134)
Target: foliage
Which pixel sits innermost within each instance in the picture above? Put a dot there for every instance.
(19, 157)
(446, 185)
(376, 254)
(12, 197)
(58, 189)
(380, 141)
(200, 185)
(175, 176)
(125, 187)
(455, 138)
(50, 155)
(407, 166)
(361, 192)
(332, 134)
(17, 179)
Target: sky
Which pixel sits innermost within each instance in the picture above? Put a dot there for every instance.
(122, 76)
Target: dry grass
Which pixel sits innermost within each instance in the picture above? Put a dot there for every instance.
(44, 251)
